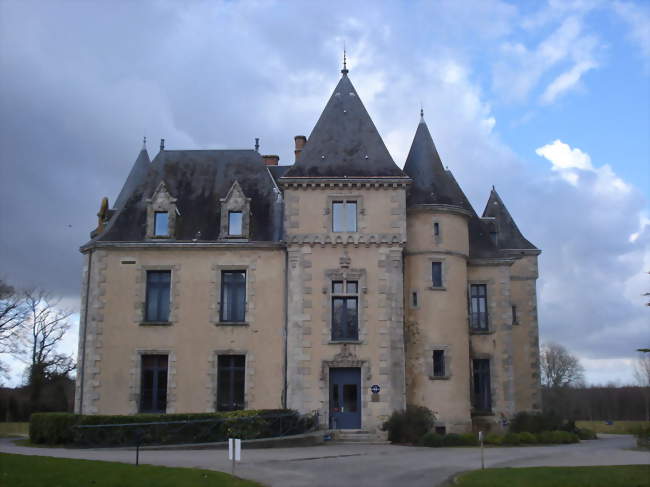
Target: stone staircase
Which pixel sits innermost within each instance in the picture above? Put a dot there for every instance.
(359, 437)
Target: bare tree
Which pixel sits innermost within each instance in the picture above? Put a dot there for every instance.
(13, 314)
(559, 368)
(642, 375)
(48, 324)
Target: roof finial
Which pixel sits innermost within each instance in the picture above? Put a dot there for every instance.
(345, 63)
(421, 113)
(257, 144)
(144, 143)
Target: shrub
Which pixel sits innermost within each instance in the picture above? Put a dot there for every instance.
(52, 428)
(557, 437)
(535, 422)
(527, 438)
(431, 439)
(493, 439)
(453, 439)
(62, 428)
(642, 434)
(511, 439)
(409, 425)
(586, 434)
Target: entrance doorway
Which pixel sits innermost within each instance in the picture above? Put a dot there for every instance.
(345, 398)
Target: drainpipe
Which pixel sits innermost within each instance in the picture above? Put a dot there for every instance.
(286, 324)
(82, 358)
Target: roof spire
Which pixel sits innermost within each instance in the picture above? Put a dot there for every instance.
(144, 143)
(421, 113)
(345, 64)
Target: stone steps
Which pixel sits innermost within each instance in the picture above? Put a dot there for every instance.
(359, 437)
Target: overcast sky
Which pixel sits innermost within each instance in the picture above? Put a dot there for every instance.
(547, 101)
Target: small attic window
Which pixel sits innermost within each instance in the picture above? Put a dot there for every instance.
(161, 224)
(235, 223)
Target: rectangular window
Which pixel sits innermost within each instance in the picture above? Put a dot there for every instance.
(514, 315)
(414, 299)
(436, 274)
(235, 223)
(345, 306)
(161, 224)
(231, 377)
(233, 296)
(436, 229)
(482, 396)
(438, 363)
(478, 314)
(158, 296)
(344, 216)
(153, 384)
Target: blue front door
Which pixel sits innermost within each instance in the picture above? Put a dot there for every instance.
(345, 398)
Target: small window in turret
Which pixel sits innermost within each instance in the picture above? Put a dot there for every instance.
(161, 224)
(436, 229)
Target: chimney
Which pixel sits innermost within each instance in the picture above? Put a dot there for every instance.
(271, 160)
(162, 144)
(300, 140)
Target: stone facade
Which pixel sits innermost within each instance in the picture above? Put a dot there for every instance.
(413, 254)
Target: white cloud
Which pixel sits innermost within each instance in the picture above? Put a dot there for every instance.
(637, 17)
(566, 54)
(572, 163)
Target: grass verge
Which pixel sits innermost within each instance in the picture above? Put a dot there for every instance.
(617, 427)
(13, 429)
(610, 476)
(33, 471)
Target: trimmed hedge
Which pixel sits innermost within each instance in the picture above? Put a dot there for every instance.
(65, 428)
(52, 428)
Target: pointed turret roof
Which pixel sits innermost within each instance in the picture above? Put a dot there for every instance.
(431, 184)
(508, 235)
(137, 175)
(345, 141)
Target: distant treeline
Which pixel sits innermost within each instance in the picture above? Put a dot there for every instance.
(599, 402)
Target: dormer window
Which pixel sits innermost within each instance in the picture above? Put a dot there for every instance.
(161, 213)
(161, 224)
(344, 216)
(235, 223)
(235, 214)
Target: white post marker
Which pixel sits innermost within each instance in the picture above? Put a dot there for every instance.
(480, 439)
(234, 451)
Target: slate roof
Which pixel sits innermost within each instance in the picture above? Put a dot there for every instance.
(136, 177)
(278, 171)
(508, 235)
(345, 142)
(431, 184)
(198, 179)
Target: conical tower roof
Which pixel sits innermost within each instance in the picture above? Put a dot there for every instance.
(508, 235)
(345, 141)
(431, 183)
(137, 176)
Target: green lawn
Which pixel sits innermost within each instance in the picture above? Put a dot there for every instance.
(615, 476)
(34, 471)
(619, 427)
(13, 429)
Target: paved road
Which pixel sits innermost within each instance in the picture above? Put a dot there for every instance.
(365, 465)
